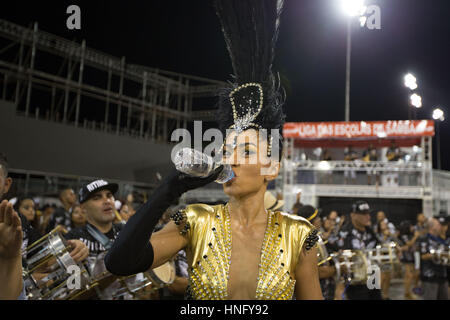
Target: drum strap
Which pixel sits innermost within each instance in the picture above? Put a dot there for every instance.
(100, 237)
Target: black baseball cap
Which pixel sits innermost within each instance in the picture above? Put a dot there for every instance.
(360, 207)
(89, 189)
(308, 212)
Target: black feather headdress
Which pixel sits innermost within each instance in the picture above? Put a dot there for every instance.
(254, 98)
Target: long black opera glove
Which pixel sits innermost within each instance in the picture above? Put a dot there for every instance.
(132, 252)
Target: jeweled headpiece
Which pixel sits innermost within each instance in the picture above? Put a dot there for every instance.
(254, 98)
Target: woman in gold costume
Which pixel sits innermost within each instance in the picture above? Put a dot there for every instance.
(238, 250)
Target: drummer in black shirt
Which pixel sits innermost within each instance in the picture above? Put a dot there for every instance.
(30, 235)
(97, 201)
(432, 273)
(61, 216)
(356, 234)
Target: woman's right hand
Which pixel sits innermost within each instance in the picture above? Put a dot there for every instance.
(180, 183)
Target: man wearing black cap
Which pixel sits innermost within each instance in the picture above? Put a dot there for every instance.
(357, 235)
(433, 274)
(97, 200)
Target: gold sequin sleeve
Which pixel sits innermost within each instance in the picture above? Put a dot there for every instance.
(303, 235)
(308, 235)
(199, 217)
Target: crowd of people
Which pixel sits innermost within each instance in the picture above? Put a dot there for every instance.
(92, 219)
(79, 218)
(250, 247)
(415, 245)
(369, 154)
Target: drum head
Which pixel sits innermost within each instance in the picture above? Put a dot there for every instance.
(164, 274)
(355, 265)
(359, 269)
(384, 255)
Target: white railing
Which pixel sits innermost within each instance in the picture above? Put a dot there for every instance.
(359, 165)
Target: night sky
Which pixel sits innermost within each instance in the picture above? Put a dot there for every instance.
(185, 37)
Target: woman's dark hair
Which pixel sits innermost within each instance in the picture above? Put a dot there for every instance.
(405, 228)
(35, 223)
(378, 227)
(77, 205)
(19, 201)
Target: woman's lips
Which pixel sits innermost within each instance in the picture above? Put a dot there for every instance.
(229, 182)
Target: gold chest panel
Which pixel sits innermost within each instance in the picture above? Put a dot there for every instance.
(209, 253)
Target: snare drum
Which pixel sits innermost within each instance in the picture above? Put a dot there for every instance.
(385, 256)
(163, 275)
(351, 266)
(49, 269)
(103, 283)
(441, 255)
(142, 285)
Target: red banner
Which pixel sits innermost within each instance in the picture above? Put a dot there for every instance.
(359, 129)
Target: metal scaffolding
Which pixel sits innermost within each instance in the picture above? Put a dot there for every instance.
(49, 184)
(52, 78)
(315, 178)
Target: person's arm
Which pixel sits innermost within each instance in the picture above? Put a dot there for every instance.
(325, 235)
(178, 286)
(326, 272)
(11, 236)
(424, 251)
(166, 243)
(133, 252)
(79, 251)
(413, 239)
(426, 256)
(307, 286)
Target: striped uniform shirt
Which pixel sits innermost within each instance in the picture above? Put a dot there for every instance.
(94, 246)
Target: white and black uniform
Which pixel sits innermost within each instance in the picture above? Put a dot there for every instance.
(95, 260)
(60, 217)
(30, 235)
(432, 274)
(351, 238)
(94, 245)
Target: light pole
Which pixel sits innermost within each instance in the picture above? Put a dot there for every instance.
(438, 114)
(416, 101)
(347, 71)
(351, 8)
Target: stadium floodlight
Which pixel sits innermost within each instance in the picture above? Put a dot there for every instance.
(438, 114)
(353, 8)
(410, 81)
(416, 100)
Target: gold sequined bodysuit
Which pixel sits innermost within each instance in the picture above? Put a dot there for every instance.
(209, 252)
